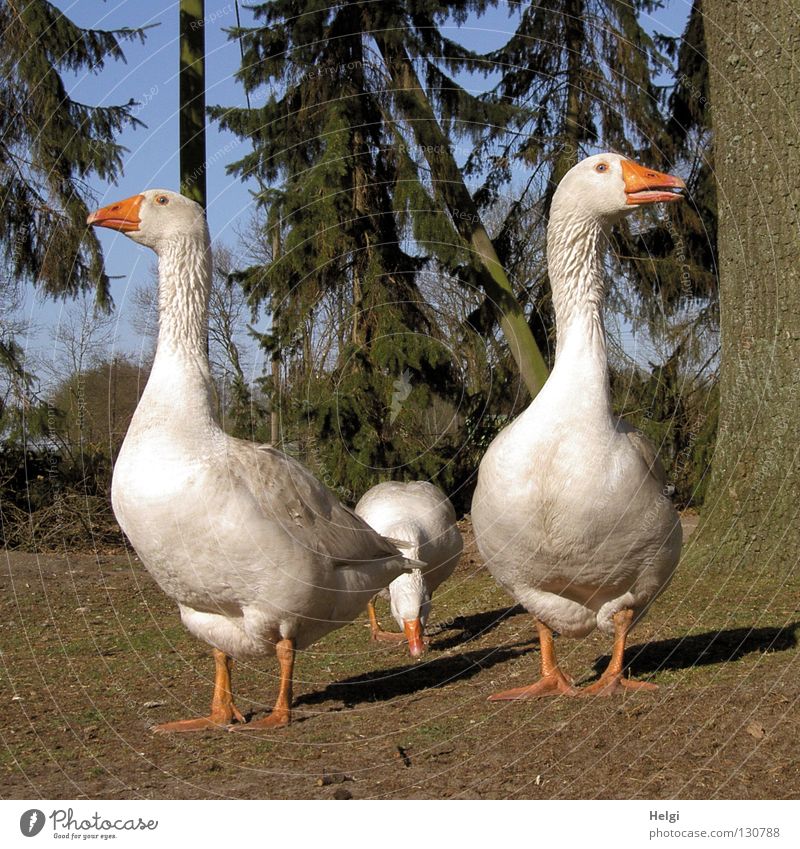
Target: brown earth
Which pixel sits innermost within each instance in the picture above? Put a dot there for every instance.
(93, 654)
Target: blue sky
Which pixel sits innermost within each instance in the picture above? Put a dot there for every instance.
(150, 77)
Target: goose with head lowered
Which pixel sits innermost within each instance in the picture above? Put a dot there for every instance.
(261, 557)
(570, 511)
(420, 520)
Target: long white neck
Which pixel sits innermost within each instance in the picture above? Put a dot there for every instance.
(179, 394)
(184, 286)
(575, 245)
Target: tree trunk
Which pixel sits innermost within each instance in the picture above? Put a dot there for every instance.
(192, 95)
(463, 211)
(573, 132)
(274, 415)
(275, 355)
(751, 510)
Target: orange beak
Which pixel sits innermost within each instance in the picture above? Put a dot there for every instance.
(643, 185)
(122, 216)
(413, 632)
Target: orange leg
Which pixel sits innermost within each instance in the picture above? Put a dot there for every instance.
(377, 632)
(282, 712)
(611, 681)
(223, 710)
(553, 681)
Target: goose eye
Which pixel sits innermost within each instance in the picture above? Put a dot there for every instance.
(601, 167)
(162, 200)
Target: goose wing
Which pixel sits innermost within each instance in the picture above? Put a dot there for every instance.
(646, 450)
(287, 493)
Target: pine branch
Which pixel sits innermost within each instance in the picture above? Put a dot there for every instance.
(464, 213)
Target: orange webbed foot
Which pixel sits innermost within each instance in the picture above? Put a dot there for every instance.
(611, 685)
(554, 684)
(388, 637)
(202, 723)
(223, 710)
(277, 719)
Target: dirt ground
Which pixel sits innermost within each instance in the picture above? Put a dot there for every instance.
(93, 654)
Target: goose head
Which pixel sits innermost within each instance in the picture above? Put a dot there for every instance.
(607, 186)
(410, 603)
(154, 218)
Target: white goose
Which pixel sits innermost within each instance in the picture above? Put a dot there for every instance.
(420, 520)
(569, 511)
(259, 555)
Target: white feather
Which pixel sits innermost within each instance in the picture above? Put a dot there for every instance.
(569, 511)
(250, 545)
(420, 520)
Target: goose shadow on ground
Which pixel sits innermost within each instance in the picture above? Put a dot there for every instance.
(385, 684)
(704, 649)
(468, 628)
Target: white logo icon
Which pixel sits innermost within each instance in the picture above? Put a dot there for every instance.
(31, 822)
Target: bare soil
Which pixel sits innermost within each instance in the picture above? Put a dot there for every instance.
(93, 654)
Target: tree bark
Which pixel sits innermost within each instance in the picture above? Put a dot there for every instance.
(751, 510)
(275, 356)
(192, 95)
(572, 132)
(463, 211)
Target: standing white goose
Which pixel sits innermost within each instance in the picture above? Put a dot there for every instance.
(420, 520)
(259, 555)
(569, 511)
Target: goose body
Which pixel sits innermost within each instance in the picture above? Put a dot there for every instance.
(569, 511)
(259, 555)
(420, 520)
(252, 547)
(592, 532)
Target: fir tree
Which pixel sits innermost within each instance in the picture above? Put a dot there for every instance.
(348, 192)
(685, 252)
(580, 73)
(50, 144)
(355, 140)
